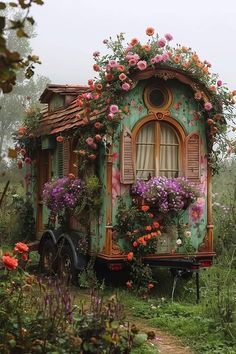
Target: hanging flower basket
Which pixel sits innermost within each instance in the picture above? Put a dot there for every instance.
(165, 195)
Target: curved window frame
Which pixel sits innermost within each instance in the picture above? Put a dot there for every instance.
(180, 134)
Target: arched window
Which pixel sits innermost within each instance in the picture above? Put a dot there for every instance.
(157, 150)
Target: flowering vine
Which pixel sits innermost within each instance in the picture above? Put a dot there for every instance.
(116, 75)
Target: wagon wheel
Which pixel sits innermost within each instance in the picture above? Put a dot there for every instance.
(66, 269)
(48, 258)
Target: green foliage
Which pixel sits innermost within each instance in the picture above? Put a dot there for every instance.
(13, 60)
(34, 320)
(224, 208)
(219, 294)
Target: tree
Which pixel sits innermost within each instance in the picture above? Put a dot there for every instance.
(25, 93)
(11, 60)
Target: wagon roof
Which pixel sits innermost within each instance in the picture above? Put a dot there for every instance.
(70, 117)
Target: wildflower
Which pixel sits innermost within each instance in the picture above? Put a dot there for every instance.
(96, 54)
(130, 256)
(179, 242)
(150, 286)
(145, 208)
(125, 86)
(150, 31)
(208, 106)
(168, 37)
(114, 108)
(10, 262)
(129, 284)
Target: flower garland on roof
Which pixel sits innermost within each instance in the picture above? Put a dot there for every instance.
(116, 76)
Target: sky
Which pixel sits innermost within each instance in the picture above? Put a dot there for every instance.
(69, 31)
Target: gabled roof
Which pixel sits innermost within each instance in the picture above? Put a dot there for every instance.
(70, 90)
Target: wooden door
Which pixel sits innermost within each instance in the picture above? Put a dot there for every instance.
(43, 176)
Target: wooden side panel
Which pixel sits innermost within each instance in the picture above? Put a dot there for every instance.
(60, 159)
(193, 157)
(127, 174)
(66, 157)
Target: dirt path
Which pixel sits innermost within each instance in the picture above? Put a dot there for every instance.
(165, 342)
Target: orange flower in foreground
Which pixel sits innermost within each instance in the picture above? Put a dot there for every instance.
(21, 247)
(150, 31)
(10, 262)
(145, 207)
(130, 256)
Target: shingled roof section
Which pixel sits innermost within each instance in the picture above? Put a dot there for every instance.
(70, 90)
(65, 118)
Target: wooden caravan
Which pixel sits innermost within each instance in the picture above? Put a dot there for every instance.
(160, 122)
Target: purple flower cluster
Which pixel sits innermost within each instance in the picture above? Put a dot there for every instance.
(167, 194)
(63, 193)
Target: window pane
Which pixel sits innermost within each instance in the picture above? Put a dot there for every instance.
(145, 147)
(169, 151)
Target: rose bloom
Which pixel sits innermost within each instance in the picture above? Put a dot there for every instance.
(114, 108)
(142, 65)
(129, 284)
(98, 125)
(109, 77)
(89, 140)
(134, 42)
(168, 37)
(120, 68)
(208, 106)
(145, 208)
(92, 157)
(99, 87)
(10, 262)
(125, 86)
(113, 63)
(130, 256)
(161, 42)
(146, 47)
(98, 137)
(122, 77)
(96, 67)
(135, 244)
(21, 247)
(150, 31)
(132, 62)
(155, 224)
(150, 286)
(24, 257)
(110, 116)
(198, 95)
(219, 83)
(148, 228)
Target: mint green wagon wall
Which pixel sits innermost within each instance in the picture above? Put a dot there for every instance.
(187, 112)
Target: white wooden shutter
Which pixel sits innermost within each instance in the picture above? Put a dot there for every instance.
(127, 159)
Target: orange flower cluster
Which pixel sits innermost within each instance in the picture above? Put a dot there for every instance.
(11, 262)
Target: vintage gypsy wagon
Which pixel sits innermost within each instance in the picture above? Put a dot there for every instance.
(149, 119)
